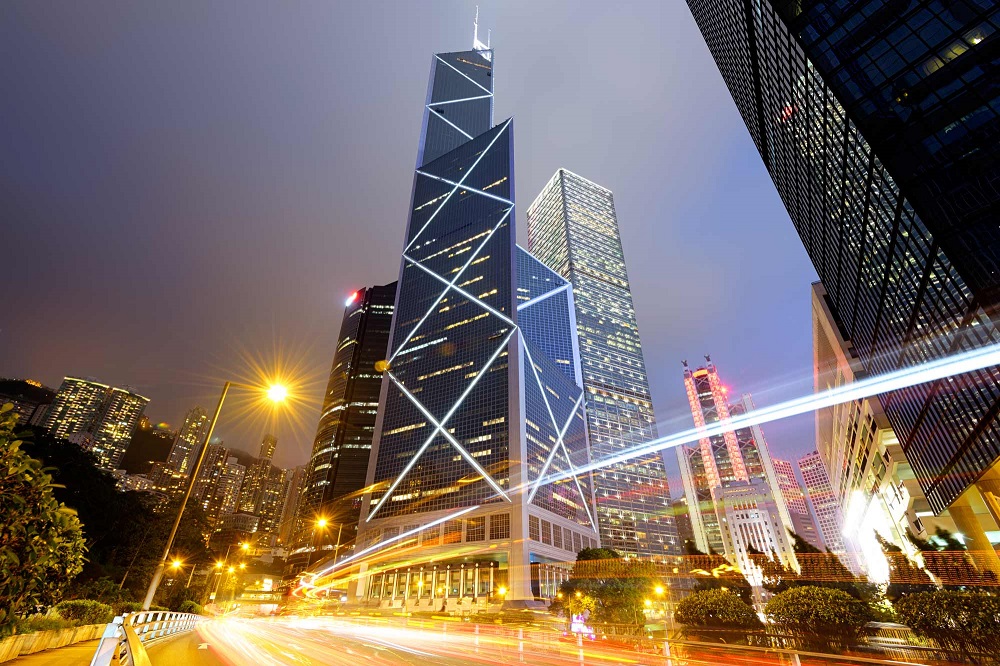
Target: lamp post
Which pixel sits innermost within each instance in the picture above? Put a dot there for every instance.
(276, 393)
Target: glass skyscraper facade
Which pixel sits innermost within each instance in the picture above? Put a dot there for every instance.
(481, 410)
(573, 229)
(336, 471)
(878, 122)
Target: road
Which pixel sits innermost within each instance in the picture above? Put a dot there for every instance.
(353, 642)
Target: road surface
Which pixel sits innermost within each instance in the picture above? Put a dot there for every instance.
(337, 642)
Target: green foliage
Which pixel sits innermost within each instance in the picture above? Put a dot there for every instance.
(190, 607)
(718, 609)
(608, 589)
(85, 611)
(41, 622)
(963, 623)
(103, 589)
(822, 617)
(123, 607)
(124, 531)
(712, 571)
(905, 577)
(948, 559)
(41, 545)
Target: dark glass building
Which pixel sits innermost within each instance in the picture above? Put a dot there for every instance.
(481, 399)
(878, 122)
(335, 474)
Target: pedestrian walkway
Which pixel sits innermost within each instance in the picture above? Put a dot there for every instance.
(71, 655)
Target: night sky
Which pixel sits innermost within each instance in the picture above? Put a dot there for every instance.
(187, 187)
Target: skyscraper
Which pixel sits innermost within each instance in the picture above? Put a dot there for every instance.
(879, 130)
(826, 506)
(259, 475)
(802, 519)
(729, 478)
(573, 229)
(478, 408)
(115, 423)
(108, 413)
(294, 482)
(267, 445)
(189, 438)
(339, 462)
(75, 407)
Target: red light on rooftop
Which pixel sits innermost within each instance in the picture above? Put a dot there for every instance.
(353, 297)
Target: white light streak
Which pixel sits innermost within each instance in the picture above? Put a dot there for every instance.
(893, 381)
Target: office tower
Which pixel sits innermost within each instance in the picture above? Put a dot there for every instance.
(189, 439)
(876, 124)
(75, 407)
(291, 492)
(798, 510)
(825, 504)
(115, 423)
(734, 500)
(339, 462)
(573, 229)
(480, 412)
(735, 457)
(210, 474)
(869, 473)
(27, 396)
(226, 492)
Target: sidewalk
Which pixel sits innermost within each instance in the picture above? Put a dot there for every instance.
(79, 654)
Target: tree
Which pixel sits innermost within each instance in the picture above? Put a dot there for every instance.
(717, 609)
(821, 616)
(712, 571)
(125, 532)
(949, 560)
(609, 589)
(963, 623)
(41, 545)
(905, 577)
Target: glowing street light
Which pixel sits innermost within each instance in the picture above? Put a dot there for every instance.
(275, 392)
(232, 569)
(176, 564)
(321, 523)
(659, 590)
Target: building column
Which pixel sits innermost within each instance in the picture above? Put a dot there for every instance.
(989, 487)
(976, 542)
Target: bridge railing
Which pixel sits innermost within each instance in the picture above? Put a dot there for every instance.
(126, 637)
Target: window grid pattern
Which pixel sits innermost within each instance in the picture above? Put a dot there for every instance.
(573, 229)
(903, 294)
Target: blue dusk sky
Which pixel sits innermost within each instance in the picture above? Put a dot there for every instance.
(186, 187)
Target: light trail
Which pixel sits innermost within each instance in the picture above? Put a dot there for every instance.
(957, 364)
(382, 544)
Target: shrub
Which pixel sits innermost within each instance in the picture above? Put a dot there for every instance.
(820, 616)
(719, 609)
(44, 623)
(190, 607)
(41, 544)
(962, 623)
(123, 607)
(85, 611)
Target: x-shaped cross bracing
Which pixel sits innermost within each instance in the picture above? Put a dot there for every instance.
(439, 427)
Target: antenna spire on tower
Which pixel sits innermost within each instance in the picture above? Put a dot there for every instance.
(476, 44)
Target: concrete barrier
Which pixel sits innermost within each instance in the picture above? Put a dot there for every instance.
(19, 645)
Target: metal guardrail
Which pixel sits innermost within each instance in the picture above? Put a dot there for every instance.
(126, 637)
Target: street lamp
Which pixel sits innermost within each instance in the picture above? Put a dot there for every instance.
(276, 393)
